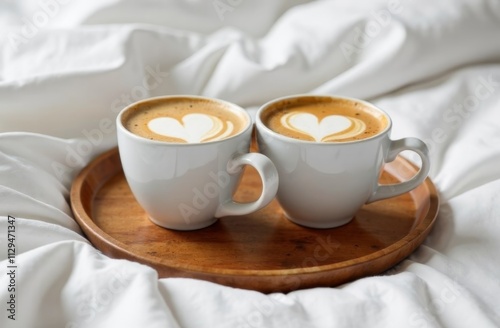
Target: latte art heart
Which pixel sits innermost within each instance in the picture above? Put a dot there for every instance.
(194, 128)
(330, 128)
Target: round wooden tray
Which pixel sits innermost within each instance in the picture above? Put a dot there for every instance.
(262, 251)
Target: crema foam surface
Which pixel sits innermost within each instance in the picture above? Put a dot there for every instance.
(183, 120)
(324, 119)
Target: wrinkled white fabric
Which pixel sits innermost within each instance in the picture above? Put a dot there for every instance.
(67, 68)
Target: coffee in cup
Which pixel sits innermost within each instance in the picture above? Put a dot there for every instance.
(324, 119)
(184, 120)
(329, 152)
(182, 157)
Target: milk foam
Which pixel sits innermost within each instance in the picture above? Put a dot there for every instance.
(194, 127)
(330, 128)
(184, 120)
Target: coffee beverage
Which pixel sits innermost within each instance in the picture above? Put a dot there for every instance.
(184, 120)
(329, 152)
(324, 119)
(186, 176)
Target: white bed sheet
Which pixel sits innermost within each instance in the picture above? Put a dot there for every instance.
(67, 67)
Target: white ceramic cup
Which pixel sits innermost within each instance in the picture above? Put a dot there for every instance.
(324, 184)
(187, 186)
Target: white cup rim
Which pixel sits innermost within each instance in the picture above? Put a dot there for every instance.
(261, 124)
(121, 128)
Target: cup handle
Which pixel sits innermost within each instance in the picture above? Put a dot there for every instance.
(397, 146)
(268, 175)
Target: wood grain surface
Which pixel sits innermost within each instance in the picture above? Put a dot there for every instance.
(262, 251)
